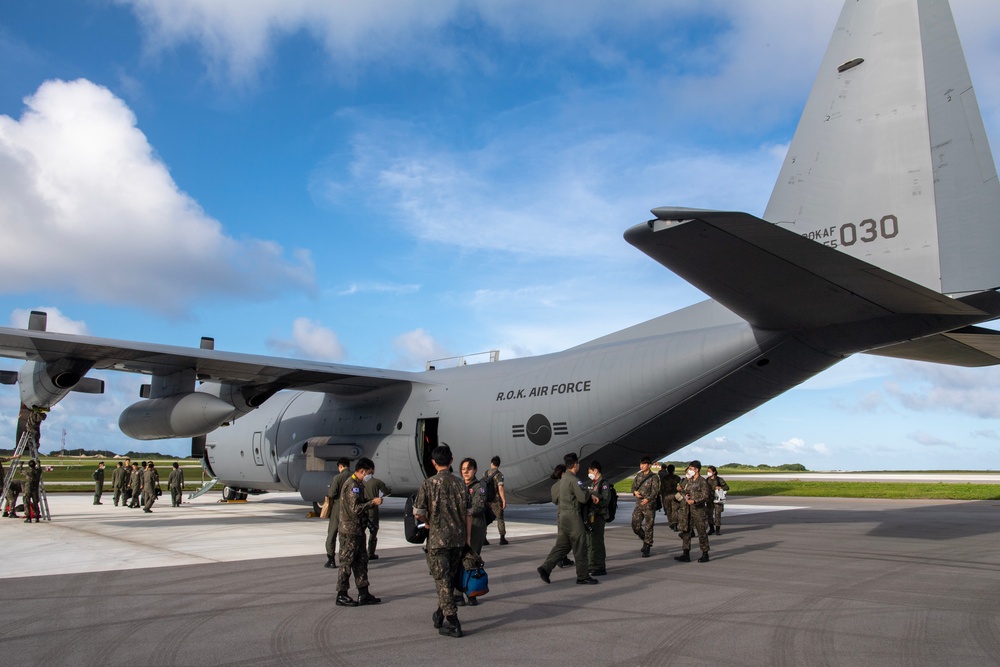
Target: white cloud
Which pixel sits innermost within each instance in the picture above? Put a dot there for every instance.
(382, 288)
(928, 440)
(415, 348)
(310, 340)
(86, 206)
(55, 321)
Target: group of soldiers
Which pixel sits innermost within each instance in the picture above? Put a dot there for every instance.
(134, 484)
(456, 511)
(693, 505)
(28, 488)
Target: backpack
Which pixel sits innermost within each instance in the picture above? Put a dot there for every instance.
(489, 481)
(612, 504)
(413, 533)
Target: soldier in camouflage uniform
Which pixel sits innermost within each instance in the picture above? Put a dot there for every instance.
(716, 506)
(374, 488)
(646, 489)
(117, 477)
(571, 536)
(668, 490)
(493, 477)
(10, 509)
(333, 495)
(694, 494)
(354, 506)
(32, 480)
(442, 503)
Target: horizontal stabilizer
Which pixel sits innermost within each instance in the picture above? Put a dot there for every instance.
(968, 346)
(776, 279)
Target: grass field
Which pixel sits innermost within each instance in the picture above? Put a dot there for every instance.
(900, 490)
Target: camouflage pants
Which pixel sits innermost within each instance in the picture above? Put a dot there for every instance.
(497, 508)
(671, 507)
(353, 558)
(643, 517)
(719, 509)
(373, 535)
(693, 519)
(443, 565)
(30, 504)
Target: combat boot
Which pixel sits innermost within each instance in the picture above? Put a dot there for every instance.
(452, 628)
(6, 513)
(644, 551)
(704, 557)
(718, 530)
(438, 618)
(330, 562)
(711, 530)
(364, 597)
(345, 600)
(503, 540)
(566, 562)
(684, 557)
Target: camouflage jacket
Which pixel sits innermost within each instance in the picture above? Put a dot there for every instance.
(647, 485)
(698, 489)
(32, 478)
(353, 505)
(668, 484)
(372, 489)
(444, 501)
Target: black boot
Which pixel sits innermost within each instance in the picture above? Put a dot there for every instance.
(645, 551)
(345, 600)
(364, 597)
(438, 618)
(718, 530)
(452, 628)
(330, 562)
(711, 529)
(503, 540)
(684, 557)
(704, 557)
(566, 562)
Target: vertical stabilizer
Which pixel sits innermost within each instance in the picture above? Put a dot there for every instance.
(890, 162)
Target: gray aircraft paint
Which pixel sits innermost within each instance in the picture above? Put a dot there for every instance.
(891, 134)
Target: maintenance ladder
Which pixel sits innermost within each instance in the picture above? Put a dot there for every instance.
(30, 442)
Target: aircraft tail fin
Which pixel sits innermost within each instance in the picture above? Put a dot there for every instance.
(890, 162)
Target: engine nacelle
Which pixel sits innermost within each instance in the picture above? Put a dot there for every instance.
(42, 384)
(179, 416)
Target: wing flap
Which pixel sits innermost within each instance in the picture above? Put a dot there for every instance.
(776, 279)
(244, 369)
(971, 347)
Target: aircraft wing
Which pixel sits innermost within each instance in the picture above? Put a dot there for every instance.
(215, 365)
(776, 279)
(969, 346)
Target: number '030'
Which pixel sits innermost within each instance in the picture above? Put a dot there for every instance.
(869, 230)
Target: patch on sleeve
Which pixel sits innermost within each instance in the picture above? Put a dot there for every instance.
(580, 482)
(356, 489)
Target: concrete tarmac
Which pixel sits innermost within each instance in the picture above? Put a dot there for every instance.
(792, 581)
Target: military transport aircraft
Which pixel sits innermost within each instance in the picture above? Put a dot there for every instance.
(881, 237)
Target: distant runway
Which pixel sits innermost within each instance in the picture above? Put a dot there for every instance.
(792, 581)
(948, 478)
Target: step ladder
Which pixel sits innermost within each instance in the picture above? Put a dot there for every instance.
(28, 441)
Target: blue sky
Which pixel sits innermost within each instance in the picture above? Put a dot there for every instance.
(384, 183)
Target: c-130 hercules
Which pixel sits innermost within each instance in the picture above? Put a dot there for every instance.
(881, 237)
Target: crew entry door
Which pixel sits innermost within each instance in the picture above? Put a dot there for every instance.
(427, 440)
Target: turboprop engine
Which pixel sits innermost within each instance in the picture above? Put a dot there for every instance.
(43, 384)
(184, 415)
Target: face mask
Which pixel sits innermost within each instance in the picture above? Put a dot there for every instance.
(591, 475)
(367, 478)
(690, 474)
